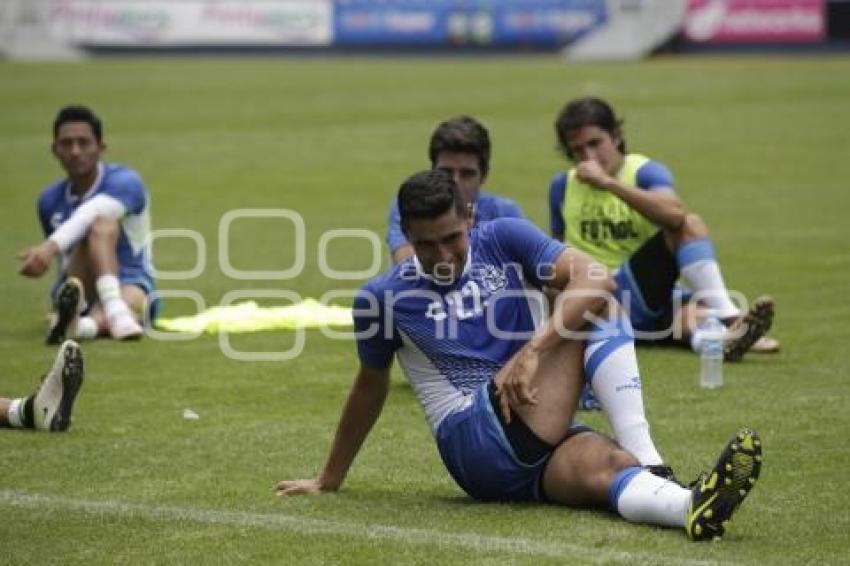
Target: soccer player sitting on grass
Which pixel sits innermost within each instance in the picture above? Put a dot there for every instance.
(459, 146)
(499, 390)
(49, 408)
(621, 209)
(97, 222)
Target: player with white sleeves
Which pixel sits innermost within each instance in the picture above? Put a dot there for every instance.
(97, 222)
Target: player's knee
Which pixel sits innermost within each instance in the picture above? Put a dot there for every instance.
(619, 459)
(609, 460)
(693, 228)
(103, 228)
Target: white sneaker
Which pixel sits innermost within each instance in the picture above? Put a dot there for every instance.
(124, 327)
(765, 345)
(55, 396)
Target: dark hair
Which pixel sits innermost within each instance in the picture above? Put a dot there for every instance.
(428, 194)
(589, 111)
(462, 134)
(78, 113)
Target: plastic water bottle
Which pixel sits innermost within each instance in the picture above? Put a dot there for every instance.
(711, 351)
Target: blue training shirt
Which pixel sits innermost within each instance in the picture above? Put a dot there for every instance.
(487, 207)
(450, 339)
(57, 203)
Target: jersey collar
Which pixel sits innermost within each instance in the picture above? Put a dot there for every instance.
(71, 197)
(420, 271)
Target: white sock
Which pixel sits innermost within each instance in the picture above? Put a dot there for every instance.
(109, 291)
(699, 268)
(86, 328)
(612, 370)
(15, 415)
(642, 497)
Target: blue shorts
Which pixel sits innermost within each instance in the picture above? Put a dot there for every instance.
(482, 460)
(646, 286)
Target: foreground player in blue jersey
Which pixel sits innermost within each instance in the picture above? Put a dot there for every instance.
(97, 222)
(459, 146)
(498, 383)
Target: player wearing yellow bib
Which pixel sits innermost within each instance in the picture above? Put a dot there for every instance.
(621, 208)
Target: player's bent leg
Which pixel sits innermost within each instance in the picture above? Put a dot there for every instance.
(582, 469)
(611, 368)
(137, 299)
(126, 323)
(699, 267)
(645, 284)
(559, 380)
(489, 459)
(692, 228)
(591, 470)
(79, 266)
(719, 493)
(102, 241)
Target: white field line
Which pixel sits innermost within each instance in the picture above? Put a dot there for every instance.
(307, 526)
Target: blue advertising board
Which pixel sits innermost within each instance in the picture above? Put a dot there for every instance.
(539, 23)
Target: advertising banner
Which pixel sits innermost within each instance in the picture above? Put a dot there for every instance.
(458, 22)
(163, 23)
(755, 21)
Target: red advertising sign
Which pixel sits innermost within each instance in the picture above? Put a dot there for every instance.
(755, 21)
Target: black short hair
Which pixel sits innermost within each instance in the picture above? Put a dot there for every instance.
(588, 111)
(463, 134)
(78, 113)
(428, 194)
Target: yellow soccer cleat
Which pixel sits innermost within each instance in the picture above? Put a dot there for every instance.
(716, 496)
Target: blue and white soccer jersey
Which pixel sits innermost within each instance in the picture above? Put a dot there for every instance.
(487, 207)
(451, 340)
(57, 204)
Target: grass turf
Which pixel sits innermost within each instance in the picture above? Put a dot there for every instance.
(758, 147)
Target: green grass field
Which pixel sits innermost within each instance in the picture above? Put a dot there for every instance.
(758, 146)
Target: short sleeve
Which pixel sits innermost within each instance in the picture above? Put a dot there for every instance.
(376, 340)
(525, 244)
(44, 215)
(510, 209)
(126, 187)
(654, 176)
(557, 193)
(395, 237)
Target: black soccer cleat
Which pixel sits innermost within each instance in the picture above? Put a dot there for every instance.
(748, 329)
(69, 297)
(716, 496)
